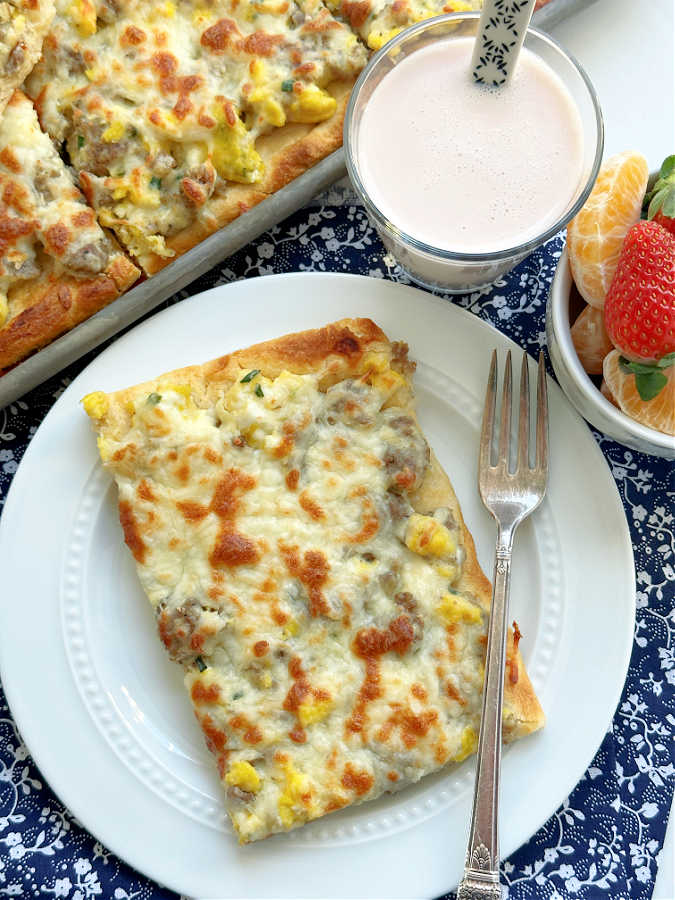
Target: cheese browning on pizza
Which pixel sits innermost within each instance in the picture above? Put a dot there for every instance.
(160, 105)
(309, 568)
(23, 25)
(57, 266)
(378, 21)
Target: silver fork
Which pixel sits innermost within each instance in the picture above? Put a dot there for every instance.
(510, 496)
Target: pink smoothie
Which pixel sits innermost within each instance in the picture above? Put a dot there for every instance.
(468, 168)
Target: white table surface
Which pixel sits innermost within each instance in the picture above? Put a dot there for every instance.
(628, 49)
(626, 46)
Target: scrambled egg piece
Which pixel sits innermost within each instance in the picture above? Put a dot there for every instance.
(309, 713)
(312, 105)
(455, 608)
(83, 14)
(95, 404)
(427, 537)
(469, 744)
(241, 774)
(136, 240)
(233, 154)
(114, 131)
(290, 801)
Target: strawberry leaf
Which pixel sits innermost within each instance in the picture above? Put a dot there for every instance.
(662, 197)
(666, 361)
(637, 368)
(649, 385)
(667, 166)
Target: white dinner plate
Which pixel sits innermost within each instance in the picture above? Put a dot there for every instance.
(102, 710)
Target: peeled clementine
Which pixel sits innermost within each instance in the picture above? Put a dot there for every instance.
(595, 235)
(591, 340)
(658, 413)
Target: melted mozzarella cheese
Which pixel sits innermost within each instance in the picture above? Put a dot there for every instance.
(327, 652)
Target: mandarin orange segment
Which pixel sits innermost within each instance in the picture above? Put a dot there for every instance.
(658, 413)
(597, 232)
(591, 340)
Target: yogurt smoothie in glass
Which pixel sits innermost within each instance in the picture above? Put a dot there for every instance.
(460, 175)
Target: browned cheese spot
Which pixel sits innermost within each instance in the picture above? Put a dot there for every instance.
(192, 512)
(8, 159)
(231, 548)
(370, 644)
(201, 694)
(358, 781)
(313, 573)
(132, 536)
(145, 492)
(297, 694)
(251, 733)
(215, 737)
(311, 507)
(292, 479)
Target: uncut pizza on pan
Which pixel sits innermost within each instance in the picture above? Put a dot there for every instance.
(139, 127)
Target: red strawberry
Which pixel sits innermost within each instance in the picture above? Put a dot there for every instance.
(661, 200)
(640, 305)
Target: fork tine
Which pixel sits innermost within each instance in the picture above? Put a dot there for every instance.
(505, 429)
(524, 420)
(485, 456)
(542, 416)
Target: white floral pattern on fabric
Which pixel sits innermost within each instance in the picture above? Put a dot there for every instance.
(605, 838)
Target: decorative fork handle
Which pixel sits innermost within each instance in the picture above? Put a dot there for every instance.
(481, 870)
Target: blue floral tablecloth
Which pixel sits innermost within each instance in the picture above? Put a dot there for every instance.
(605, 838)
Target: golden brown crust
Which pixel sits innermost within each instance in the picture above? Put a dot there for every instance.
(290, 151)
(334, 351)
(287, 153)
(47, 306)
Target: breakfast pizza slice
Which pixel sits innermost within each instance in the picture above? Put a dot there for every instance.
(180, 117)
(309, 568)
(23, 25)
(57, 266)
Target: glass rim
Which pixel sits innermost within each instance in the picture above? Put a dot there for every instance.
(450, 255)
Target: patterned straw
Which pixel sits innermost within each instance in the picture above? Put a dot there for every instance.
(500, 35)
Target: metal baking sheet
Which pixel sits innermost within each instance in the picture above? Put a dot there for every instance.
(150, 293)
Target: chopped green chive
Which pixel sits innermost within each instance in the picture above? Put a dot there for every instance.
(249, 376)
(156, 182)
(259, 391)
(154, 398)
(80, 141)
(287, 85)
(237, 695)
(201, 665)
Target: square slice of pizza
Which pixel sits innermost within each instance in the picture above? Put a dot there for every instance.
(57, 265)
(309, 568)
(178, 117)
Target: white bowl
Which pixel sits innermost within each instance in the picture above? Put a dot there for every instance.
(584, 395)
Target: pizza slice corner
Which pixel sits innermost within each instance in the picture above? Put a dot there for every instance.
(57, 265)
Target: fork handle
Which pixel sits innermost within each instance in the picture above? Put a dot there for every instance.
(481, 870)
